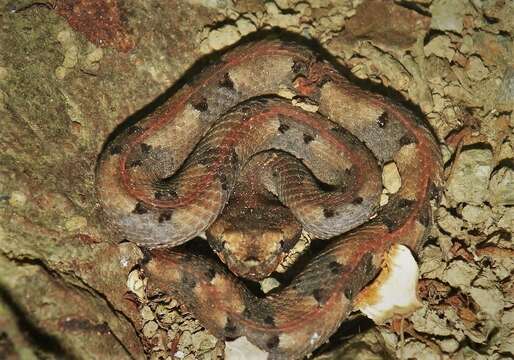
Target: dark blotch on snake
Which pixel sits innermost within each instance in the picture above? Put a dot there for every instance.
(145, 148)
(307, 138)
(135, 163)
(223, 181)
(325, 79)
(269, 320)
(165, 216)
(115, 150)
(405, 203)
(227, 82)
(167, 194)
(230, 327)
(273, 342)
(358, 200)
(407, 139)
(298, 66)
(283, 128)
(328, 213)
(335, 267)
(424, 216)
(201, 105)
(317, 295)
(210, 274)
(134, 129)
(434, 192)
(390, 222)
(140, 209)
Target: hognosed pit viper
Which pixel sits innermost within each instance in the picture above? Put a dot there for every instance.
(231, 137)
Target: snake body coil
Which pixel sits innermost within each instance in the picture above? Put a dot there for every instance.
(169, 177)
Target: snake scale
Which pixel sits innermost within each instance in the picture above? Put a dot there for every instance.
(231, 142)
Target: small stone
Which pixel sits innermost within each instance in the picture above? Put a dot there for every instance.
(507, 220)
(384, 199)
(505, 94)
(60, 72)
(441, 46)
(460, 274)
(3, 73)
(272, 8)
(475, 69)
(475, 214)
(203, 341)
(241, 348)
(427, 321)
(147, 313)
(483, 298)
(17, 199)
(391, 178)
(65, 37)
(450, 223)
(70, 57)
(449, 345)
(76, 223)
(95, 56)
(501, 187)
(185, 340)
(150, 329)
(269, 284)
(245, 26)
(467, 44)
(305, 105)
(448, 15)
(224, 36)
(135, 284)
(470, 177)
(418, 350)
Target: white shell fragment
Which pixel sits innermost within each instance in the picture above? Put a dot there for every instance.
(241, 348)
(393, 292)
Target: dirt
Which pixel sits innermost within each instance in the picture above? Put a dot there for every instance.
(71, 71)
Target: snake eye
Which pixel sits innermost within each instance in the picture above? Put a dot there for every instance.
(383, 120)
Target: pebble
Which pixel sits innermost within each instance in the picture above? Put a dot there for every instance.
(147, 313)
(475, 69)
(76, 223)
(150, 329)
(391, 178)
(460, 274)
(440, 46)
(470, 178)
(17, 199)
(224, 36)
(506, 89)
(501, 187)
(475, 214)
(448, 15)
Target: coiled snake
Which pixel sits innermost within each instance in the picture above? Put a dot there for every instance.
(232, 136)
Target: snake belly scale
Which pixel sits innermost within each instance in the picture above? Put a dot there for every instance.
(168, 178)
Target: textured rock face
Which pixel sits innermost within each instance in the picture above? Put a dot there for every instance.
(68, 78)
